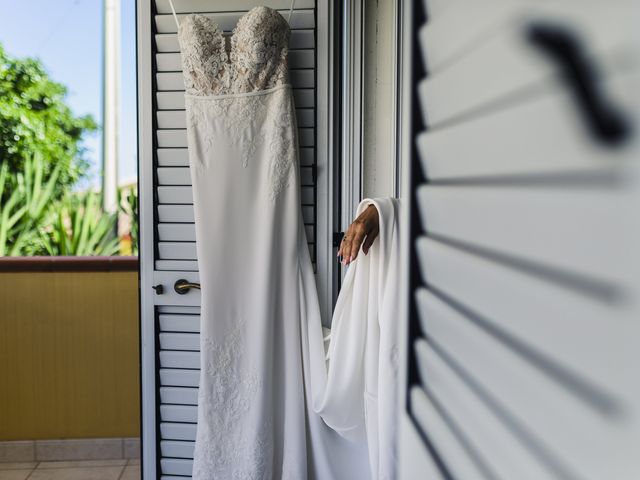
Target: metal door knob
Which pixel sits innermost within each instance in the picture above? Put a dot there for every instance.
(183, 286)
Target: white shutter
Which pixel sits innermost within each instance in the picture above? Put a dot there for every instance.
(524, 299)
(170, 322)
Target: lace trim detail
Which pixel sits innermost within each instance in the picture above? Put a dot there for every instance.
(226, 445)
(282, 146)
(257, 60)
(247, 121)
(203, 55)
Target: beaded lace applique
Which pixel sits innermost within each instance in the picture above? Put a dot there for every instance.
(257, 60)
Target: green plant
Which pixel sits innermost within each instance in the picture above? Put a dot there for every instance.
(128, 207)
(26, 207)
(35, 118)
(79, 226)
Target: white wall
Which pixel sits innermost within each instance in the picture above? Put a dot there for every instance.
(378, 122)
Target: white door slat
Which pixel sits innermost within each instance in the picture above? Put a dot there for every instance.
(173, 157)
(175, 213)
(528, 308)
(178, 413)
(178, 138)
(174, 81)
(179, 157)
(434, 8)
(557, 419)
(179, 309)
(179, 323)
(228, 20)
(177, 232)
(186, 6)
(177, 431)
(583, 226)
(179, 341)
(179, 396)
(174, 377)
(179, 359)
(414, 458)
(177, 449)
(507, 66)
(461, 27)
(176, 466)
(174, 175)
(178, 119)
(177, 265)
(490, 436)
(448, 446)
(299, 39)
(177, 250)
(303, 98)
(178, 194)
(172, 62)
(546, 134)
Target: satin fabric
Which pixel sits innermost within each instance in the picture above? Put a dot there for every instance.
(354, 378)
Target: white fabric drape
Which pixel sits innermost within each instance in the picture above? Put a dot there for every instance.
(355, 389)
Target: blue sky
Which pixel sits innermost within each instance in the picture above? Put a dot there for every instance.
(66, 35)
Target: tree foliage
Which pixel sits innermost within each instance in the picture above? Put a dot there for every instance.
(35, 118)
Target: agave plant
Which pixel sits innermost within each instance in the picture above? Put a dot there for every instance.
(128, 208)
(79, 226)
(26, 208)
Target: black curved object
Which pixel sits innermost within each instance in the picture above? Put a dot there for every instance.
(605, 120)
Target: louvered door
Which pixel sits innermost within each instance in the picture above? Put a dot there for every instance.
(170, 321)
(523, 303)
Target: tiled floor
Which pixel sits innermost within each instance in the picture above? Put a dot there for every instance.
(72, 470)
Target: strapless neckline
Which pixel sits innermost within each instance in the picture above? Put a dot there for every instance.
(216, 25)
(254, 57)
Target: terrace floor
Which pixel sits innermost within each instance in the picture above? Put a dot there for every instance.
(121, 469)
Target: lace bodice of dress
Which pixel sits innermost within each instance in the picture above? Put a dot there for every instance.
(257, 58)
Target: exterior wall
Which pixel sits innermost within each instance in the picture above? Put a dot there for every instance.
(69, 355)
(378, 121)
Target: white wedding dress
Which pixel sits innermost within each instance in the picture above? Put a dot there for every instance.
(262, 349)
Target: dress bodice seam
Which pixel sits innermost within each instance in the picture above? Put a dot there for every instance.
(239, 94)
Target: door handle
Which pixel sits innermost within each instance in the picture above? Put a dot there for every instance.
(183, 286)
(605, 121)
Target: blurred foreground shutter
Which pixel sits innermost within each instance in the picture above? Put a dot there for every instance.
(524, 291)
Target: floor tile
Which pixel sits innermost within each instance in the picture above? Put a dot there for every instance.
(76, 449)
(82, 473)
(18, 474)
(17, 465)
(131, 472)
(131, 447)
(83, 463)
(133, 461)
(17, 451)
